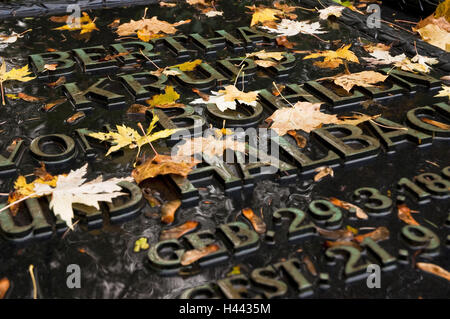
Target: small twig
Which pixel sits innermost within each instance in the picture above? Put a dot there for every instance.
(405, 21)
(3, 94)
(307, 9)
(321, 4)
(395, 25)
(318, 38)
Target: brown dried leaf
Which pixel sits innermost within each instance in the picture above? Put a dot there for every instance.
(57, 83)
(193, 255)
(163, 165)
(283, 41)
(379, 234)
(138, 109)
(371, 47)
(322, 172)
(338, 234)
(364, 79)
(265, 63)
(13, 145)
(148, 195)
(309, 265)
(210, 146)
(204, 96)
(302, 116)
(114, 24)
(113, 56)
(177, 232)
(78, 116)
(361, 214)
(168, 211)
(60, 19)
(434, 269)
(329, 244)
(29, 98)
(51, 105)
(4, 286)
(257, 222)
(299, 139)
(167, 4)
(152, 25)
(263, 55)
(50, 67)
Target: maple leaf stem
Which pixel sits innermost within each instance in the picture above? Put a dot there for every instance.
(276, 87)
(21, 34)
(347, 71)
(18, 201)
(146, 137)
(394, 25)
(31, 271)
(149, 59)
(237, 76)
(145, 13)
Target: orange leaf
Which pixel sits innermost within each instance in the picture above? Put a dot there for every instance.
(192, 256)
(177, 232)
(404, 213)
(257, 222)
(4, 286)
(168, 211)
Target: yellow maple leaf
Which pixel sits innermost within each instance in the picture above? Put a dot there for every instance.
(187, 66)
(127, 136)
(23, 189)
(261, 14)
(332, 58)
(85, 24)
(168, 97)
(145, 35)
(14, 74)
(443, 10)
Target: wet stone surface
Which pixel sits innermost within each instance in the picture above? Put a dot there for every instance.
(109, 266)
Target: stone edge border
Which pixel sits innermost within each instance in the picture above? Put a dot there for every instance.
(403, 41)
(21, 10)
